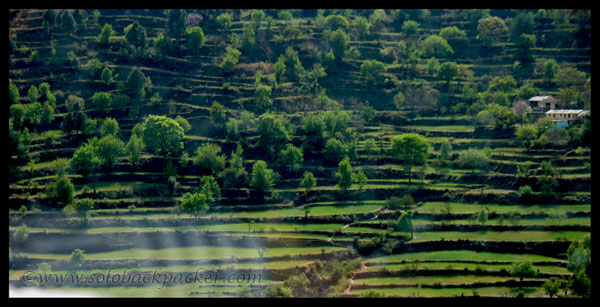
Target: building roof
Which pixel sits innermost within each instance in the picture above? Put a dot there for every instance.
(567, 112)
(542, 98)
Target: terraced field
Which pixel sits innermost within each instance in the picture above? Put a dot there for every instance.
(261, 240)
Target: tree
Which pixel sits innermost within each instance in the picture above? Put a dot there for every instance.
(435, 45)
(523, 270)
(338, 40)
(527, 134)
(21, 234)
(77, 257)
(183, 123)
(521, 24)
(134, 148)
(374, 71)
(273, 132)
(67, 22)
(224, 20)
(75, 118)
(334, 150)
(372, 294)
(85, 159)
(176, 23)
(335, 22)
(107, 76)
(474, 159)
(210, 188)
(570, 76)
(33, 93)
(482, 217)
(208, 158)
(108, 148)
(61, 190)
(551, 287)
(194, 38)
(362, 27)
(235, 175)
(405, 224)
(163, 135)
(231, 58)
(308, 182)
(262, 97)
(217, 113)
(278, 290)
(109, 126)
(362, 180)
(13, 92)
(102, 101)
(262, 177)
(344, 174)
(550, 68)
(194, 203)
(521, 108)
(410, 27)
(291, 156)
(135, 35)
(490, 28)
(105, 34)
(448, 71)
(82, 207)
(137, 83)
(412, 148)
(445, 150)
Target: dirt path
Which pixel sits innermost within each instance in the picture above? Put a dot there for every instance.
(363, 267)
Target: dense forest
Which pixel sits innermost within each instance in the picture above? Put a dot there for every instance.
(328, 152)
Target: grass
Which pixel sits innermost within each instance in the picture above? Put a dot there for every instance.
(428, 207)
(453, 128)
(500, 235)
(450, 292)
(461, 266)
(461, 255)
(196, 252)
(430, 280)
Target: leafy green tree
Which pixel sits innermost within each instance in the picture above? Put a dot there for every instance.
(208, 158)
(109, 148)
(210, 188)
(374, 71)
(81, 207)
(362, 27)
(448, 71)
(550, 68)
(194, 38)
(195, 203)
(570, 76)
(33, 93)
(344, 174)
(162, 45)
(183, 123)
(445, 150)
(523, 270)
(107, 76)
(273, 132)
(109, 126)
(474, 159)
(13, 92)
(67, 22)
(334, 150)
(262, 97)
(291, 156)
(163, 135)
(435, 45)
(135, 35)
(527, 134)
(482, 217)
(85, 159)
(105, 34)
(410, 27)
(134, 148)
(61, 190)
(452, 34)
(490, 28)
(372, 294)
(102, 101)
(21, 234)
(224, 20)
(278, 291)
(308, 182)
(175, 23)
(137, 83)
(362, 180)
(262, 177)
(338, 40)
(521, 24)
(551, 287)
(412, 148)
(217, 113)
(77, 257)
(405, 223)
(231, 58)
